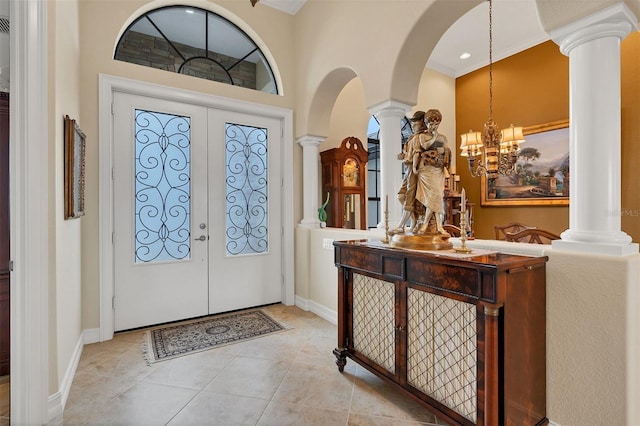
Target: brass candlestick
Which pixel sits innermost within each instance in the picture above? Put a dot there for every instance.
(463, 233)
(386, 221)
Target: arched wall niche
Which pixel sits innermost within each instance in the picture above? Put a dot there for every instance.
(390, 65)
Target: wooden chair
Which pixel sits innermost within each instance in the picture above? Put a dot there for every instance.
(452, 229)
(531, 236)
(510, 227)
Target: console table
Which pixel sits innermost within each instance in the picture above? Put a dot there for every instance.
(462, 334)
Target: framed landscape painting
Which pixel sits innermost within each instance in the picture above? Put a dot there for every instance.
(542, 170)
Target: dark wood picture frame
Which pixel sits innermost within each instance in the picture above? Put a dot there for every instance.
(538, 137)
(74, 163)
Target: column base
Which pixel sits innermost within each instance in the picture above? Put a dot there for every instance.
(595, 247)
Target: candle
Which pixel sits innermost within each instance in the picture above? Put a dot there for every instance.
(386, 203)
(463, 201)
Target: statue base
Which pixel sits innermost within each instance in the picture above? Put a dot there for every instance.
(422, 242)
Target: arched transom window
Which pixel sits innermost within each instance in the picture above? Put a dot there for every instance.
(199, 43)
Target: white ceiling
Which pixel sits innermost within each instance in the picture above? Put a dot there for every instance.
(515, 28)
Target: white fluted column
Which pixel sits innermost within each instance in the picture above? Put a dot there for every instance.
(389, 115)
(310, 161)
(593, 47)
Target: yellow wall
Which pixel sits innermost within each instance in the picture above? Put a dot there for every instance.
(630, 102)
(531, 88)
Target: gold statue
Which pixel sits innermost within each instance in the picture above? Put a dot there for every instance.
(427, 157)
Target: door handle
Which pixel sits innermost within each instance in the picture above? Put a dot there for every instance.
(201, 238)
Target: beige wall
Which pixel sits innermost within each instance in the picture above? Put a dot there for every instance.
(336, 42)
(101, 25)
(557, 13)
(66, 262)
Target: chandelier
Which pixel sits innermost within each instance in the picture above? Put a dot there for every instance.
(493, 152)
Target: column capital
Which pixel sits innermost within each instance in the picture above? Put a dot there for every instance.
(614, 21)
(310, 140)
(390, 109)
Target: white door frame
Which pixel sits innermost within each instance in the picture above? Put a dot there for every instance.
(30, 211)
(109, 85)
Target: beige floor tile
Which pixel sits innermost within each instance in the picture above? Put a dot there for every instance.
(320, 386)
(193, 371)
(251, 377)
(284, 414)
(116, 359)
(374, 397)
(283, 346)
(218, 409)
(288, 378)
(142, 404)
(318, 349)
(90, 390)
(362, 420)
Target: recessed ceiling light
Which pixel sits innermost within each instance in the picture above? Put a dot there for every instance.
(465, 55)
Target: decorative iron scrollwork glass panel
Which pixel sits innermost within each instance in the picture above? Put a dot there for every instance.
(246, 190)
(162, 186)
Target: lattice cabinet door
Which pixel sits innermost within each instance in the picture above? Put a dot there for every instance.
(373, 316)
(441, 350)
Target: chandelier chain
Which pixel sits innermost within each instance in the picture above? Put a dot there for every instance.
(490, 60)
(493, 152)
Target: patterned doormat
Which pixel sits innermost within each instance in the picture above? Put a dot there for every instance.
(176, 340)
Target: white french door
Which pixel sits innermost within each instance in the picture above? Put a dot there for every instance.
(245, 264)
(196, 211)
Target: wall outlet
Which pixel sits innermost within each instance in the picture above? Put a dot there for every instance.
(327, 243)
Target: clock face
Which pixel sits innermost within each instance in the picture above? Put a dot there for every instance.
(350, 173)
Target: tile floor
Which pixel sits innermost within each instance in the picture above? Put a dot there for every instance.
(5, 400)
(287, 378)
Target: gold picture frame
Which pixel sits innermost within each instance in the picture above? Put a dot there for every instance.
(74, 163)
(542, 177)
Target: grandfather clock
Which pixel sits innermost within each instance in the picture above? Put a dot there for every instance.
(344, 172)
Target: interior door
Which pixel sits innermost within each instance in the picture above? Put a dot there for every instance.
(160, 217)
(245, 260)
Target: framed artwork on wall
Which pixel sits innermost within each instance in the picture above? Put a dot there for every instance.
(74, 157)
(542, 170)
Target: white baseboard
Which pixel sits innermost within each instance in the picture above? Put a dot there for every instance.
(67, 380)
(91, 335)
(55, 407)
(58, 400)
(302, 303)
(318, 309)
